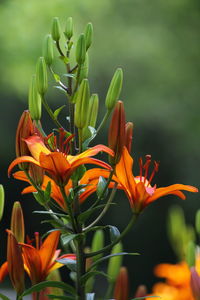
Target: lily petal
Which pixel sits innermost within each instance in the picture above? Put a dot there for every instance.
(36, 146)
(20, 160)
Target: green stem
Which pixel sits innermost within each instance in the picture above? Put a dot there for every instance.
(109, 290)
(50, 112)
(80, 289)
(39, 127)
(110, 246)
(80, 139)
(105, 118)
(59, 49)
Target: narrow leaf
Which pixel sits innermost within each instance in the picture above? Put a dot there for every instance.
(66, 238)
(87, 276)
(114, 233)
(70, 263)
(3, 297)
(57, 111)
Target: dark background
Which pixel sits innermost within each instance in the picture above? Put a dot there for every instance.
(157, 44)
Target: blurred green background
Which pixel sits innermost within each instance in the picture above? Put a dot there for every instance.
(158, 46)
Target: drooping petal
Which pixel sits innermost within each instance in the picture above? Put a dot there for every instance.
(36, 146)
(3, 271)
(88, 160)
(48, 248)
(171, 189)
(20, 160)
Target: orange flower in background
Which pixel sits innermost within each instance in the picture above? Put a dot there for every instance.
(58, 165)
(138, 189)
(178, 281)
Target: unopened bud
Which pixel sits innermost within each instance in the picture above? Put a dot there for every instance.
(91, 115)
(69, 28)
(48, 49)
(128, 136)
(55, 29)
(17, 222)
(195, 284)
(84, 68)
(114, 263)
(141, 291)
(97, 243)
(41, 76)
(82, 102)
(34, 100)
(15, 263)
(37, 174)
(191, 254)
(2, 200)
(116, 135)
(197, 221)
(88, 35)
(121, 289)
(81, 49)
(114, 89)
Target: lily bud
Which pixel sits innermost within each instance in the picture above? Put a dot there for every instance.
(41, 76)
(91, 115)
(48, 49)
(34, 100)
(55, 29)
(82, 102)
(37, 174)
(197, 221)
(114, 89)
(2, 200)
(17, 222)
(69, 28)
(191, 254)
(116, 135)
(81, 50)
(15, 263)
(88, 35)
(97, 243)
(84, 68)
(195, 284)
(141, 291)
(25, 129)
(128, 136)
(114, 263)
(121, 289)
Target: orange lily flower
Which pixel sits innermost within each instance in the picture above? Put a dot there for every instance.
(40, 261)
(138, 189)
(58, 165)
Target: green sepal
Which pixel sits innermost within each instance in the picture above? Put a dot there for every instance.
(40, 286)
(57, 111)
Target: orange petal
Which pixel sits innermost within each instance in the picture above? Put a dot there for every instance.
(171, 189)
(36, 146)
(20, 175)
(20, 160)
(88, 160)
(48, 248)
(57, 265)
(3, 271)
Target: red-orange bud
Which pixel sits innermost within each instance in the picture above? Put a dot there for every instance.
(121, 290)
(25, 129)
(15, 263)
(116, 136)
(37, 174)
(195, 283)
(128, 135)
(141, 291)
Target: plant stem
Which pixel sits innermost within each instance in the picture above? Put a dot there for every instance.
(49, 111)
(110, 246)
(105, 118)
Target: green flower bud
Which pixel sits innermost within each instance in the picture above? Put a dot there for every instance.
(2, 200)
(17, 222)
(82, 102)
(197, 221)
(84, 68)
(48, 49)
(69, 28)
(114, 89)
(191, 254)
(81, 49)
(91, 115)
(55, 29)
(97, 243)
(114, 263)
(88, 35)
(41, 76)
(34, 100)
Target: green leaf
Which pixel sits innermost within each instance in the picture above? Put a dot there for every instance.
(47, 192)
(64, 59)
(56, 77)
(111, 255)
(101, 186)
(70, 263)
(40, 286)
(49, 213)
(61, 297)
(3, 297)
(66, 238)
(70, 75)
(90, 296)
(87, 142)
(60, 88)
(87, 276)
(58, 110)
(114, 233)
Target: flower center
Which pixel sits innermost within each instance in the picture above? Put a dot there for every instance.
(59, 141)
